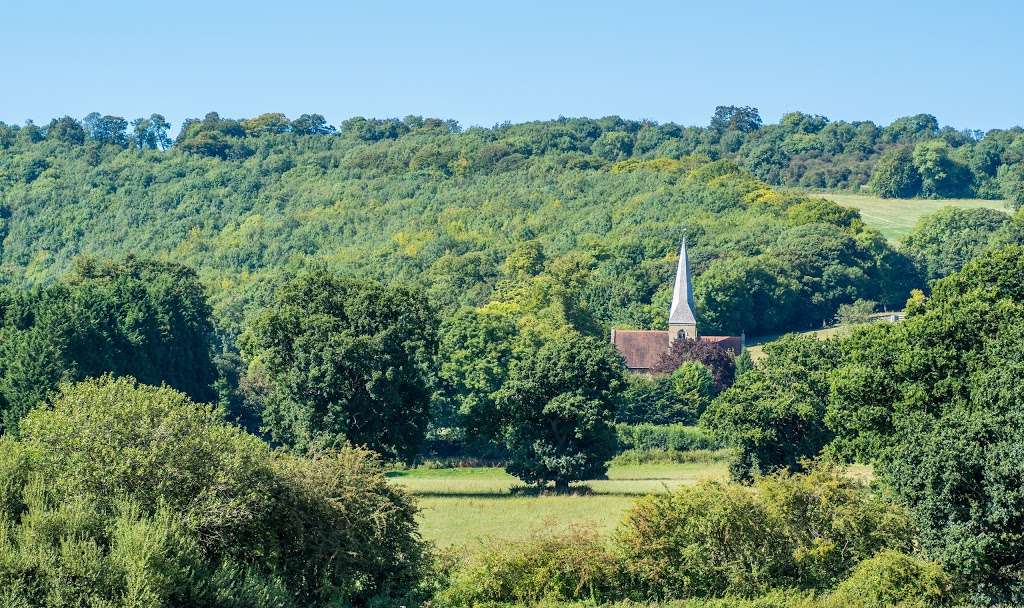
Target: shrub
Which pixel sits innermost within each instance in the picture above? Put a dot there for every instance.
(893, 579)
(128, 495)
(574, 566)
(714, 539)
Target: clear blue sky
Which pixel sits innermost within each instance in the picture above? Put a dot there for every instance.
(484, 62)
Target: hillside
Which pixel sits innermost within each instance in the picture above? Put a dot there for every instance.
(584, 215)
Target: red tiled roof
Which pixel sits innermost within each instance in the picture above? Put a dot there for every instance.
(733, 343)
(640, 349)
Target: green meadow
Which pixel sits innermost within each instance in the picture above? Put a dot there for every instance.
(464, 506)
(895, 217)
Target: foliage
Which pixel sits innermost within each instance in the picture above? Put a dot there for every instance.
(128, 495)
(774, 413)
(895, 175)
(679, 397)
(555, 411)
(251, 202)
(934, 401)
(791, 531)
(893, 579)
(678, 437)
(575, 566)
(856, 313)
(710, 355)
(145, 319)
(348, 361)
(943, 242)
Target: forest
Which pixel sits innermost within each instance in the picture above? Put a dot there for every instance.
(215, 350)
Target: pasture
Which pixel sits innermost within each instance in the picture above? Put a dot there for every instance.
(896, 217)
(462, 506)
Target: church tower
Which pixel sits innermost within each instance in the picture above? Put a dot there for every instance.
(681, 318)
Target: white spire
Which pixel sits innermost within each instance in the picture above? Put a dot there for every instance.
(682, 309)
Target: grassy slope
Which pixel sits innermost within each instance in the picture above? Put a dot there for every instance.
(895, 217)
(463, 506)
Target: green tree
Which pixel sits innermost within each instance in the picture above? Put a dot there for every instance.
(614, 145)
(895, 175)
(775, 413)
(943, 242)
(1011, 183)
(942, 176)
(149, 320)
(556, 408)
(66, 129)
(348, 361)
(694, 386)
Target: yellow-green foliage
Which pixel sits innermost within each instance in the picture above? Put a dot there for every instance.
(124, 495)
(805, 531)
(574, 566)
(788, 541)
(893, 579)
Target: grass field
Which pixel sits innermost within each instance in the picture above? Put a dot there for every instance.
(895, 217)
(464, 506)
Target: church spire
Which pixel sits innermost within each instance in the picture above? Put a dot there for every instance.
(681, 316)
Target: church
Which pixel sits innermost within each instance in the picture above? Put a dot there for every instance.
(641, 349)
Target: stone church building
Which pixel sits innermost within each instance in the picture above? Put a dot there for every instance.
(641, 349)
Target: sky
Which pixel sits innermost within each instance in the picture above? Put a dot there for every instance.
(486, 62)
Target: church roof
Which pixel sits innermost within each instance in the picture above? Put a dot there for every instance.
(682, 294)
(640, 349)
(683, 306)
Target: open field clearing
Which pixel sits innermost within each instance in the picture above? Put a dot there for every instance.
(465, 505)
(895, 217)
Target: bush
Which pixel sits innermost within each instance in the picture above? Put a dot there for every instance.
(575, 566)
(893, 579)
(714, 539)
(128, 495)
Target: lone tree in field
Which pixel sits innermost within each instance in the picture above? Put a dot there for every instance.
(555, 411)
(348, 361)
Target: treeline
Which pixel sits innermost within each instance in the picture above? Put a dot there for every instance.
(912, 156)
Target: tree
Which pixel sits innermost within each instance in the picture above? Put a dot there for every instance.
(614, 145)
(151, 133)
(943, 242)
(895, 175)
(349, 361)
(935, 403)
(66, 129)
(311, 124)
(751, 295)
(555, 410)
(694, 386)
(149, 320)
(271, 123)
(107, 129)
(942, 176)
(735, 118)
(1011, 184)
(855, 313)
(774, 413)
(713, 356)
